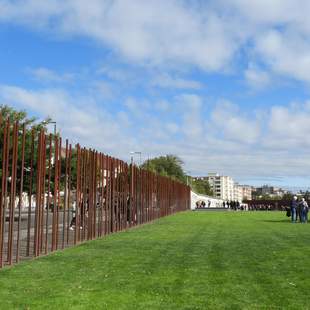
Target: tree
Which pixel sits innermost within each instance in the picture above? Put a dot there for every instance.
(201, 186)
(32, 126)
(169, 165)
(8, 112)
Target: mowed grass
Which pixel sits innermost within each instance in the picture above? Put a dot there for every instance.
(192, 260)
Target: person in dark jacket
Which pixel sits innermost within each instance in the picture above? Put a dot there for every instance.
(294, 207)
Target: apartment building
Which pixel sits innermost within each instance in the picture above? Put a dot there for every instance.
(225, 188)
(246, 192)
(238, 192)
(222, 186)
(270, 191)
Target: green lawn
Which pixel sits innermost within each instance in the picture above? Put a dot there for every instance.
(205, 260)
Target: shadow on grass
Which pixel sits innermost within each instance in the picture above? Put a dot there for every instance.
(285, 221)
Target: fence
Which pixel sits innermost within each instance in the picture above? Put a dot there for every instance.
(55, 196)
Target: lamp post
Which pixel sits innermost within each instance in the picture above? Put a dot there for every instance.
(136, 203)
(187, 175)
(55, 128)
(133, 153)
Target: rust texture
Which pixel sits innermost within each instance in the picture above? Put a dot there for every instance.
(53, 196)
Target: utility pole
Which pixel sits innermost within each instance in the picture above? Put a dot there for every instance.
(55, 128)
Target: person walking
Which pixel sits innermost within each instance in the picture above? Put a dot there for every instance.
(303, 211)
(294, 206)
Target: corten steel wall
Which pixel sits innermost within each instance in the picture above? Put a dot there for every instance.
(46, 185)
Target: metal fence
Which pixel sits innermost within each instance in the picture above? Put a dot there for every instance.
(54, 195)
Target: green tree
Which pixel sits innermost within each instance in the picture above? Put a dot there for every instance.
(201, 186)
(169, 165)
(32, 126)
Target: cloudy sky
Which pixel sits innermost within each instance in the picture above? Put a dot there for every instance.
(223, 84)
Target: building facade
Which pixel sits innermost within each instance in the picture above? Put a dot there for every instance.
(246, 192)
(238, 192)
(226, 189)
(222, 186)
(271, 191)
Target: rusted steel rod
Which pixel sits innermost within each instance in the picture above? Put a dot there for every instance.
(13, 192)
(73, 194)
(21, 186)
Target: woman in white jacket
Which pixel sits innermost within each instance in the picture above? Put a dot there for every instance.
(304, 211)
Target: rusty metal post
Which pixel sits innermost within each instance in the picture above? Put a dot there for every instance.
(13, 192)
(69, 192)
(21, 185)
(6, 129)
(5, 191)
(78, 167)
(30, 192)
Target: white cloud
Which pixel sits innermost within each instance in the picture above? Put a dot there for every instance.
(155, 32)
(78, 118)
(231, 141)
(46, 75)
(280, 30)
(228, 120)
(286, 53)
(167, 81)
(270, 12)
(172, 127)
(170, 33)
(193, 123)
(162, 105)
(289, 127)
(105, 89)
(137, 108)
(257, 78)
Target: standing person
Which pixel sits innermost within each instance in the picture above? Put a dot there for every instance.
(303, 211)
(294, 206)
(73, 220)
(298, 212)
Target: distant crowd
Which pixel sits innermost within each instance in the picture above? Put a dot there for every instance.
(266, 207)
(233, 205)
(298, 210)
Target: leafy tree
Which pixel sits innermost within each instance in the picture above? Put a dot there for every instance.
(169, 165)
(288, 196)
(201, 186)
(32, 127)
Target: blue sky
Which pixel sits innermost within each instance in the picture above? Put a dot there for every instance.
(222, 84)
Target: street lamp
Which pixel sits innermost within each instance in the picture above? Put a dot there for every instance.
(187, 175)
(133, 153)
(52, 122)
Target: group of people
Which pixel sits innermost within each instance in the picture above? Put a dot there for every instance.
(267, 207)
(299, 209)
(201, 204)
(233, 205)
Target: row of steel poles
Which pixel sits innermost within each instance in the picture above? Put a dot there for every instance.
(55, 196)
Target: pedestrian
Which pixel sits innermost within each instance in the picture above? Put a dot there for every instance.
(303, 211)
(73, 220)
(294, 206)
(298, 212)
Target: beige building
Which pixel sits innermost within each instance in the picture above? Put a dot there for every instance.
(226, 189)
(238, 192)
(222, 186)
(246, 192)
